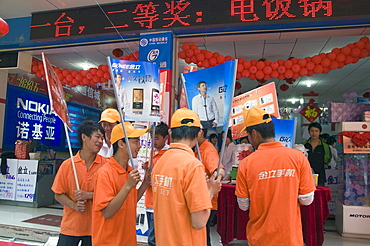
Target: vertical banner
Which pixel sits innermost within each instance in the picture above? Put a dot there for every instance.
(56, 93)
(137, 89)
(263, 97)
(157, 48)
(26, 180)
(8, 180)
(285, 131)
(210, 92)
(183, 99)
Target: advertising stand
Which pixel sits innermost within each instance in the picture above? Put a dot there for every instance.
(353, 208)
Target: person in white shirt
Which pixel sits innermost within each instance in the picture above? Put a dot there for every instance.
(109, 118)
(205, 107)
(331, 141)
(122, 99)
(228, 156)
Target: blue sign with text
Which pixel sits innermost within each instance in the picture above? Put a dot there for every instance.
(157, 48)
(28, 117)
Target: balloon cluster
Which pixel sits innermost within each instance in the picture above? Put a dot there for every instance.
(349, 96)
(289, 70)
(366, 94)
(81, 77)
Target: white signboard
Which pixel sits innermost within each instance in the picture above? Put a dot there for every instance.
(26, 180)
(8, 180)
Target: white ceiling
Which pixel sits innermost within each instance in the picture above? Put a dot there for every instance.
(272, 46)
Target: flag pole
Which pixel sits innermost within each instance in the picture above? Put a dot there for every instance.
(71, 154)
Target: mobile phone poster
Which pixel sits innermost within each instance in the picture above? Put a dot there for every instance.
(220, 83)
(137, 89)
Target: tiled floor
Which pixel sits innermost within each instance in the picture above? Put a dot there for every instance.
(12, 228)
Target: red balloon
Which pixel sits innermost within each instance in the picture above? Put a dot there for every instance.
(240, 68)
(105, 68)
(274, 65)
(212, 61)
(284, 87)
(281, 77)
(318, 69)
(326, 70)
(325, 62)
(360, 44)
(310, 73)
(85, 81)
(336, 51)
(200, 57)
(38, 74)
(96, 79)
(355, 59)
(35, 69)
(348, 60)
(295, 76)
(340, 57)
(117, 52)
(260, 65)
(310, 66)
(196, 51)
(194, 59)
(280, 62)
(100, 73)
(238, 75)
(302, 62)
(220, 59)
(238, 86)
(60, 76)
(260, 74)
(341, 64)
(205, 63)
(208, 54)
(106, 75)
(4, 28)
(281, 69)
(69, 77)
(245, 73)
(316, 59)
(79, 77)
(185, 46)
(333, 65)
(364, 53)
(182, 54)
(331, 56)
(193, 46)
(367, 46)
(241, 60)
(189, 53)
(345, 50)
(200, 64)
(215, 54)
(229, 58)
(266, 77)
(355, 52)
(89, 76)
(253, 69)
(188, 60)
(74, 73)
(93, 71)
(267, 70)
(252, 77)
(364, 39)
(288, 73)
(247, 64)
(253, 62)
(303, 71)
(288, 64)
(274, 74)
(296, 68)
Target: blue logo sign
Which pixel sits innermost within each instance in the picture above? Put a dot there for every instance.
(153, 55)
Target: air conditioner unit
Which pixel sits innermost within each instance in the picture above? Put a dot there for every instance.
(16, 60)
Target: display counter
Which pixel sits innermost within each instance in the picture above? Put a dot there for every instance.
(232, 221)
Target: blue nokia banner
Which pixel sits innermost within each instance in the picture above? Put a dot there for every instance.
(28, 117)
(157, 48)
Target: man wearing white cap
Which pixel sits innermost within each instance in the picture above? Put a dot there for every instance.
(272, 182)
(109, 118)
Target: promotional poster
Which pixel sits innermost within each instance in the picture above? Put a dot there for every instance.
(210, 91)
(263, 97)
(137, 89)
(56, 94)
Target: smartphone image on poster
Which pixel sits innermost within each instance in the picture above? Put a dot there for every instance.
(154, 109)
(137, 100)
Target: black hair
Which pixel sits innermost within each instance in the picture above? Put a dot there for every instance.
(115, 145)
(315, 124)
(267, 130)
(118, 74)
(88, 127)
(200, 82)
(331, 140)
(229, 135)
(185, 132)
(213, 135)
(161, 129)
(205, 130)
(324, 136)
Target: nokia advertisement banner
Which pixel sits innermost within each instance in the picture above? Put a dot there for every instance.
(28, 116)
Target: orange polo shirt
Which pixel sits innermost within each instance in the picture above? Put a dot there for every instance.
(73, 222)
(149, 192)
(210, 160)
(121, 228)
(272, 177)
(179, 189)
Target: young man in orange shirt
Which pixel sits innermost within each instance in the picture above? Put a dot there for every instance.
(182, 199)
(115, 196)
(76, 221)
(272, 182)
(109, 118)
(210, 159)
(160, 147)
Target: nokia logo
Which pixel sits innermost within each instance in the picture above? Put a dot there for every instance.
(365, 216)
(33, 106)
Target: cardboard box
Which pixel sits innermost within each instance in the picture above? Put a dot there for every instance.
(360, 126)
(341, 112)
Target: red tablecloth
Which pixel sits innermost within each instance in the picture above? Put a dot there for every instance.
(232, 221)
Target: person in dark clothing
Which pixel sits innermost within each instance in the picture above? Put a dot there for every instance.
(319, 154)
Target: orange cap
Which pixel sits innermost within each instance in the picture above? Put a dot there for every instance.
(254, 116)
(182, 114)
(110, 115)
(132, 132)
